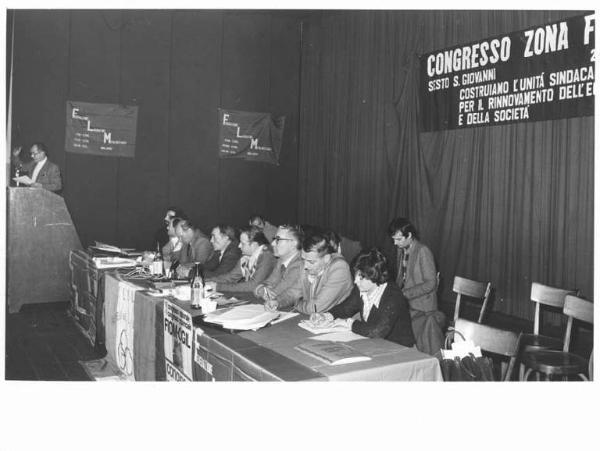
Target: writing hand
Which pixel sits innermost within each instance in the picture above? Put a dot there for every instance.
(271, 305)
(269, 293)
(321, 319)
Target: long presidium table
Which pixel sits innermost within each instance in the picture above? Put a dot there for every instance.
(137, 335)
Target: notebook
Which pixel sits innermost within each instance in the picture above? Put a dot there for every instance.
(333, 353)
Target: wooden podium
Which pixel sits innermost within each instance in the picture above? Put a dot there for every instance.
(40, 236)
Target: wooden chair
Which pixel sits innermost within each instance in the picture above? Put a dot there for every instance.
(471, 288)
(542, 295)
(493, 340)
(562, 363)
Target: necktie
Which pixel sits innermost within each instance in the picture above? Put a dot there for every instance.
(282, 270)
(404, 266)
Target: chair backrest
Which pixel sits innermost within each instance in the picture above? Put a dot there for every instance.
(547, 295)
(474, 289)
(490, 339)
(576, 308)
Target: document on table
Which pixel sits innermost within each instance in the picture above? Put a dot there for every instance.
(332, 353)
(106, 247)
(243, 317)
(329, 327)
(283, 316)
(339, 337)
(25, 179)
(113, 262)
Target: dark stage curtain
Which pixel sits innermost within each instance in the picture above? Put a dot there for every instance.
(510, 204)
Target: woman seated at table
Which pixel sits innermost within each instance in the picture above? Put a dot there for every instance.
(256, 264)
(382, 306)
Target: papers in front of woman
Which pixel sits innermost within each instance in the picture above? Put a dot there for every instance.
(337, 325)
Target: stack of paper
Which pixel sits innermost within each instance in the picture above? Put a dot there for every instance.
(243, 317)
(113, 262)
(333, 326)
(338, 337)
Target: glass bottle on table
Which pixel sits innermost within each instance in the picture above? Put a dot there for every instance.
(157, 264)
(197, 285)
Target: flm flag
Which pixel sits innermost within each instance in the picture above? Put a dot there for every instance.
(250, 136)
(101, 129)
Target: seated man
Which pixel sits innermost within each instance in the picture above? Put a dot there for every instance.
(256, 264)
(382, 307)
(326, 281)
(268, 229)
(284, 286)
(161, 236)
(196, 247)
(227, 252)
(170, 251)
(39, 172)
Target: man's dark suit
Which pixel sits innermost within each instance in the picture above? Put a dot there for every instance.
(48, 177)
(215, 267)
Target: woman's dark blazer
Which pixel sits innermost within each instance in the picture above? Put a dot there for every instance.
(391, 320)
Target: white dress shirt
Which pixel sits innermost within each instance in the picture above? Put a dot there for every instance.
(372, 299)
(37, 169)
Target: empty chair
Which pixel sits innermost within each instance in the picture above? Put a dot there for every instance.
(471, 288)
(562, 363)
(491, 340)
(542, 295)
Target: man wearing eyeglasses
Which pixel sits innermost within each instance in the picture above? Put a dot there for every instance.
(283, 287)
(40, 172)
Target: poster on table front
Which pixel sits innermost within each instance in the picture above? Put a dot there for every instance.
(103, 129)
(250, 136)
(178, 336)
(541, 73)
(124, 350)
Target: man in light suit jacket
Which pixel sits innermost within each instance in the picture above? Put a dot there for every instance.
(326, 281)
(283, 287)
(40, 172)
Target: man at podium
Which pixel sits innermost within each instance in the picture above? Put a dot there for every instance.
(39, 172)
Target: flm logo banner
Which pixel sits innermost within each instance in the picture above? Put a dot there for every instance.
(101, 129)
(542, 73)
(250, 136)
